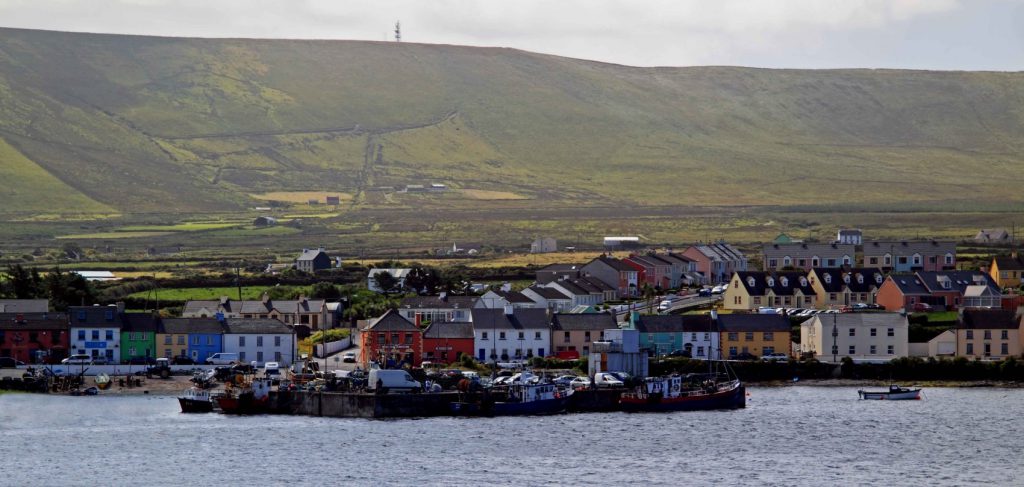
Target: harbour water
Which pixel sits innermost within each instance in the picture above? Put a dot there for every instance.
(786, 436)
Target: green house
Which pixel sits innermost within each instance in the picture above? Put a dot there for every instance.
(138, 335)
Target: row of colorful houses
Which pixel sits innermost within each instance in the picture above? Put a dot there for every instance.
(108, 333)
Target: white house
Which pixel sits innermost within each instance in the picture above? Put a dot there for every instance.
(510, 334)
(260, 340)
(544, 245)
(399, 274)
(502, 298)
(864, 337)
(96, 331)
(419, 309)
(548, 298)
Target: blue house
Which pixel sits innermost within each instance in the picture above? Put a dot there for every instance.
(202, 337)
(664, 334)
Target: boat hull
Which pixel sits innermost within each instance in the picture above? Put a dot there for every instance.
(195, 406)
(532, 408)
(243, 404)
(735, 398)
(891, 396)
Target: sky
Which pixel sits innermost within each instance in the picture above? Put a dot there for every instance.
(911, 34)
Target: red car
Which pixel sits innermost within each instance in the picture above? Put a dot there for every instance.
(922, 307)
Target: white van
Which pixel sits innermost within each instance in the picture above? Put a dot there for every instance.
(222, 358)
(665, 305)
(392, 381)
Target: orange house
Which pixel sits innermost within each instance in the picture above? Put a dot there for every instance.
(392, 341)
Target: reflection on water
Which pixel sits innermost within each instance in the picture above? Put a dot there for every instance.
(790, 436)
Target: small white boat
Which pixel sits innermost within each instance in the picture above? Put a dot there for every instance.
(895, 393)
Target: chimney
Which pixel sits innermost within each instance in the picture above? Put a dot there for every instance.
(508, 309)
(419, 320)
(20, 318)
(120, 306)
(444, 296)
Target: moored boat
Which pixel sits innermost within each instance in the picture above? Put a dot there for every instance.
(895, 393)
(693, 392)
(520, 399)
(103, 382)
(195, 400)
(247, 398)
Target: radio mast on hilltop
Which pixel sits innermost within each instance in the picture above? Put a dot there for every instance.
(398, 32)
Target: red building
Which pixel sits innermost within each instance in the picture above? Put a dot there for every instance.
(392, 341)
(446, 343)
(34, 337)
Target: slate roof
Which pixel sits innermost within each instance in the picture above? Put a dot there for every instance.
(675, 324)
(520, 319)
(437, 302)
(837, 279)
(754, 322)
(549, 293)
(959, 280)
(94, 316)
(33, 321)
(453, 330)
(907, 248)
(24, 305)
(879, 320)
(615, 264)
(310, 254)
(286, 306)
(1008, 263)
(391, 320)
(649, 260)
(140, 322)
(909, 284)
(514, 297)
(560, 268)
(256, 326)
(720, 252)
(192, 325)
(793, 281)
(988, 319)
(808, 250)
(585, 321)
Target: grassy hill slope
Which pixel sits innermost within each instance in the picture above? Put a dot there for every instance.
(152, 124)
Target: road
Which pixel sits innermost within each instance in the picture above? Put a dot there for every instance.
(679, 305)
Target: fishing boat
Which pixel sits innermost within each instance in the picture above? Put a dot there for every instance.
(251, 397)
(692, 392)
(89, 391)
(195, 400)
(895, 393)
(103, 382)
(520, 398)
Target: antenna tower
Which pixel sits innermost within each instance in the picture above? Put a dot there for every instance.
(398, 32)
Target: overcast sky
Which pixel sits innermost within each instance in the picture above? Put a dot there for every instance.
(919, 34)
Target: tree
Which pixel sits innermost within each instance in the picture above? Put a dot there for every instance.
(325, 290)
(68, 289)
(386, 282)
(423, 280)
(20, 282)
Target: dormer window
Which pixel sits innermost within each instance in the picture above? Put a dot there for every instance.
(785, 281)
(860, 278)
(750, 282)
(771, 282)
(917, 259)
(949, 259)
(803, 281)
(846, 278)
(878, 278)
(828, 278)
(887, 259)
(786, 261)
(846, 260)
(815, 261)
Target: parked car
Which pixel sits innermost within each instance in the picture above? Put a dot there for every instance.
(565, 380)
(775, 357)
(681, 353)
(705, 292)
(349, 357)
(665, 305)
(10, 363)
(77, 359)
(100, 360)
(860, 305)
(605, 379)
(271, 369)
(719, 289)
(183, 360)
(580, 383)
(743, 356)
(922, 307)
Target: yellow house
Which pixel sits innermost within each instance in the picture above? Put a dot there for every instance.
(988, 334)
(838, 287)
(756, 334)
(170, 345)
(750, 290)
(1007, 271)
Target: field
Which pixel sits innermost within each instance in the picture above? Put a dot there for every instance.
(301, 197)
(200, 293)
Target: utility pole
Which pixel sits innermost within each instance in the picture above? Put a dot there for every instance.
(398, 32)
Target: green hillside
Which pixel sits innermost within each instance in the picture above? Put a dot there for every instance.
(145, 124)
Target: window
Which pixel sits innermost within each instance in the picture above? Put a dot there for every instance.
(949, 259)
(707, 336)
(501, 335)
(586, 336)
(195, 339)
(277, 356)
(522, 335)
(872, 349)
(988, 334)
(408, 338)
(873, 261)
(1004, 348)
(891, 332)
(81, 335)
(394, 338)
(536, 335)
(483, 336)
(970, 349)
(700, 351)
(874, 332)
(209, 340)
(259, 356)
(831, 263)
(892, 350)
(259, 341)
(734, 336)
(732, 351)
(167, 352)
(567, 337)
(970, 334)
(1004, 334)
(773, 263)
(241, 341)
(277, 341)
(757, 299)
(853, 349)
(109, 334)
(95, 334)
(769, 350)
(131, 352)
(768, 336)
(181, 339)
(853, 332)
(832, 296)
(988, 349)
(749, 336)
(241, 356)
